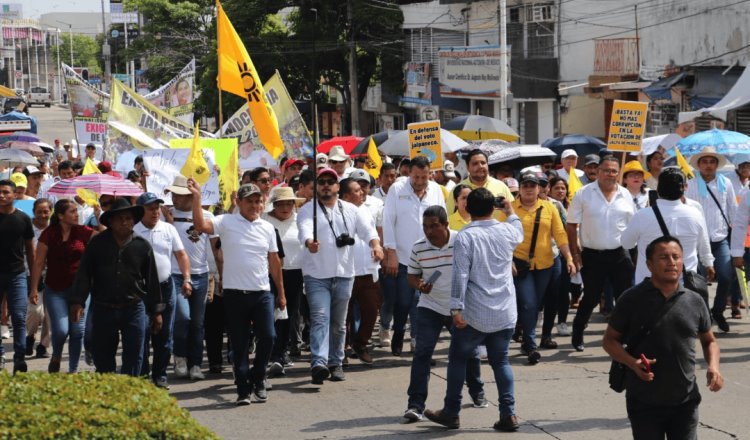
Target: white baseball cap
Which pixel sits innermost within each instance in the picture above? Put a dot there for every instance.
(569, 152)
(449, 169)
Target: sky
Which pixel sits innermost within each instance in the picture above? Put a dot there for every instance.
(35, 8)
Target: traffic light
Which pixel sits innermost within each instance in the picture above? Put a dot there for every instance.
(85, 74)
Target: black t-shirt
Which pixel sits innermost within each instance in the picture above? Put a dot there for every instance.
(671, 341)
(15, 229)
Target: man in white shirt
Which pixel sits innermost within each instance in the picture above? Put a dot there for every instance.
(249, 244)
(740, 178)
(569, 160)
(402, 226)
(166, 244)
(682, 221)
(603, 210)
(386, 179)
(190, 310)
(328, 269)
(340, 161)
(716, 195)
(373, 204)
(446, 175)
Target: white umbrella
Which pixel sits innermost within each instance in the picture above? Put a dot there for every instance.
(649, 145)
(522, 156)
(16, 158)
(398, 143)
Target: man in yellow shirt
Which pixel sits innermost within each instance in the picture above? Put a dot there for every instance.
(479, 177)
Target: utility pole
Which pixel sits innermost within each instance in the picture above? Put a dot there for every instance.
(106, 52)
(502, 14)
(59, 69)
(46, 63)
(353, 84)
(36, 62)
(20, 52)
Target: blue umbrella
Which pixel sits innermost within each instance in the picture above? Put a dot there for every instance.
(726, 143)
(581, 143)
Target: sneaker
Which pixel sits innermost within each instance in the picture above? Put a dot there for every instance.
(482, 352)
(287, 360)
(20, 367)
(337, 374)
(180, 367)
(413, 415)
(267, 384)
(29, 345)
(162, 383)
(534, 357)
(576, 340)
(88, 357)
(41, 351)
(507, 424)
(260, 393)
(442, 419)
(243, 400)
(548, 343)
(562, 329)
(196, 373)
(54, 365)
(363, 354)
(385, 337)
(319, 374)
(276, 370)
(4, 332)
(480, 401)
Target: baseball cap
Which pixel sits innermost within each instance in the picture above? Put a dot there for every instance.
(591, 158)
(569, 152)
(327, 170)
(449, 169)
(321, 160)
(31, 169)
(529, 177)
(511, 183)
(360, 174)
(148, 198)
(247, 190)
(19, 180)
(293, 161)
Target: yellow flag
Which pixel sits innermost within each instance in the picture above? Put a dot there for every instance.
(374, 162)
(89, 197)
(230, 180)
(574, 184)
(686, 170)
(90, 168)
(237, 75)
(195, 165)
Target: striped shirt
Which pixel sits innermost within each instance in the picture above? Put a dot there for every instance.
(425, 260)
(482, 280)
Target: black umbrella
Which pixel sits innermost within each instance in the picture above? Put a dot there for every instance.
(361, 148)
(581, 143)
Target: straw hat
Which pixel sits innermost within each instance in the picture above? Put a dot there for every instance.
(708, 152)
(283, 193)
(635, 166)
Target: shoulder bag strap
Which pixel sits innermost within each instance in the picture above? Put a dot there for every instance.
(645, 330)
(711, 193)
(660, 219)
(535, 233)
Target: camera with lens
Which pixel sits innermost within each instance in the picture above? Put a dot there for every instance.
(344, 240)
(498, 202)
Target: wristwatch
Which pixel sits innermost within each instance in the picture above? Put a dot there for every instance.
(455, 312)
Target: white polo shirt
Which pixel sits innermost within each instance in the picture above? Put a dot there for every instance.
(197, 244)
(363, 262)
(165, 241)
(601, 222)
(245, 245)
(402, 216)
(288, 234)
(375, 206)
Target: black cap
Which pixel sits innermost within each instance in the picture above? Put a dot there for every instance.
(591, 158)
(528, 177)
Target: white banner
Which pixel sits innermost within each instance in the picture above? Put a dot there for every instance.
(471, 71)
(164, 165)
(176, 97)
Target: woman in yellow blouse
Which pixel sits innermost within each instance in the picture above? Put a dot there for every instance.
(460, 216)
(533, 269)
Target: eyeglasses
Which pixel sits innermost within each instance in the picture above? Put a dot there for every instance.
(327, 182)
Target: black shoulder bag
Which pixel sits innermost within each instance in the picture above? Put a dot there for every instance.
(718, 205)
(523, 266)
(691, 279)
(618, 371)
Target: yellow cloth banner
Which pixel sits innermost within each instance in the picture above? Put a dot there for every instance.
(574, 184)
(374, 162)
(684, 166)
(226, 158)
(237, 75)
(90, 168)
(195, 165)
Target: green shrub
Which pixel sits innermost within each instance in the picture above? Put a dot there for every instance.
(91, 406)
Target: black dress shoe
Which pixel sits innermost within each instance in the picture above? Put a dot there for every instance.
(507, 424)
(41, 351)
(721, 321)
(442, 419)
(19, 367)
(319, 374)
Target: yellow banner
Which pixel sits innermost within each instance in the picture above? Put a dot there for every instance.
(225, 155)
(424, 140)
(627, 125)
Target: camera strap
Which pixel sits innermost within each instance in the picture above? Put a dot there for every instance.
(330, 220)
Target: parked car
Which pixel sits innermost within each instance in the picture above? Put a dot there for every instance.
(19, 104)
(39, 95)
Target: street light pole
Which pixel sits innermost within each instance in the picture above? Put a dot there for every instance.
(59, 68)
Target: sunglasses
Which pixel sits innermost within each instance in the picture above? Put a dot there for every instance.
(327, 182)
(336, 161)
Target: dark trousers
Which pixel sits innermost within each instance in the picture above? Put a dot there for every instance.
(241, 310)
(14, 286)
(599, 266)
(405, 302)
(162, 341)
(430, 325)
(552, 297)
(679, 422)
(285, 327)
(366, 293)
(107, 326)
(214, 324)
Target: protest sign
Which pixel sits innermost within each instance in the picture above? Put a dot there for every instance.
(627, 125)
(89, 108)
(176, 97)
(225, 155)
(424, 140)
(164, 165)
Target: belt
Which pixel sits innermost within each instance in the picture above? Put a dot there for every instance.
(602, 251)
(243, 292)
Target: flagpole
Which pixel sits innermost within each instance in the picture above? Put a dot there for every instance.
(314, 112)
(218, 74)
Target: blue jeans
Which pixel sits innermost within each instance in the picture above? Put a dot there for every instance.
(429, 325)
(56, 304)
(329, 301)
(530, 291)
(241, 309)
(15, 286)
(162, 341)
(727, 286)
(188, 322)
(463, 346)
(404, 299)
(108, 324)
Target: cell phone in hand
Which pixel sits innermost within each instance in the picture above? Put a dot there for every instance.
(434, 277)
